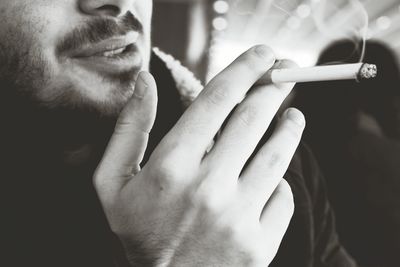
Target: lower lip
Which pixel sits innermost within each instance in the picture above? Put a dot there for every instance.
(112, 65)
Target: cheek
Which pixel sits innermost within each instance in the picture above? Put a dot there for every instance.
(32, 19)
(45, 24)
(29, 33)
(19, 39)
(24, 29)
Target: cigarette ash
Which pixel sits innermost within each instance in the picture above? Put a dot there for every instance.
(368, 71)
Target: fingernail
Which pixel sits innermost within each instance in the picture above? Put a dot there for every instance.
(295, 116)
(265, 52)
(141, 84)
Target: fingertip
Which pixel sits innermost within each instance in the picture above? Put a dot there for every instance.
(142, 106)
(144, 83)
(265, 52)
(147, 78)
(295, 115)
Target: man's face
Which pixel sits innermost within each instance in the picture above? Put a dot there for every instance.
(75, 53)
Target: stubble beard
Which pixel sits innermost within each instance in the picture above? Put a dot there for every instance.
(27, 76)
(26, 73)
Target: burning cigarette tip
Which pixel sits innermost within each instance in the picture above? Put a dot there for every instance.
(368, 71)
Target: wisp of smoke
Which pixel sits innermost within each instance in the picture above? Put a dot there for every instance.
(350, 22)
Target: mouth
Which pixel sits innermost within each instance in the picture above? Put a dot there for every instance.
(118, 52)
(112, 56)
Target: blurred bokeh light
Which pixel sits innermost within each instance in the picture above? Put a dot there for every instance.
(295, 29)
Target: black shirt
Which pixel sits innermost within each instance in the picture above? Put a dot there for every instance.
(54, 218)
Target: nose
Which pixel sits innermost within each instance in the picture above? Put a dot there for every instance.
(112, 8)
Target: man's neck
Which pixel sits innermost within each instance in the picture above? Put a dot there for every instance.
(70, 135)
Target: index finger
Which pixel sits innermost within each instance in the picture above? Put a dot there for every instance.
(205, 116)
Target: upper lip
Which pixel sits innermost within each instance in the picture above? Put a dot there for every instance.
(110, 44)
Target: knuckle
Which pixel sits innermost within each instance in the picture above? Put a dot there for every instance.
(240, 236)
(98, 180)
(104, 189)
(209, 197)
(208, 207)
(248, 114)
(258, 58)
(274, 159)
(208, 201)
(218, 92)
(233, 230)
(168, 171)
(251, 63)
(262, 52)
(122, 127)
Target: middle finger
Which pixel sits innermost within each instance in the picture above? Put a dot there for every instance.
(199, 124)
(248, 124)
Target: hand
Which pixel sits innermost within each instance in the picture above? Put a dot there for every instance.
(187, 207)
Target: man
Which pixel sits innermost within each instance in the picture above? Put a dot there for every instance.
(67, 70)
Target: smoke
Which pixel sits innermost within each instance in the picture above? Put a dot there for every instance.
(350, 21)
(334, 19)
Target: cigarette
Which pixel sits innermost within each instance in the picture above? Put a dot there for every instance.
(357, 71)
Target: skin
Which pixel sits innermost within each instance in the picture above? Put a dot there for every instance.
(188, 206)
(32, 30)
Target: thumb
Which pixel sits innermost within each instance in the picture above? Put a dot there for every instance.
(128, 143)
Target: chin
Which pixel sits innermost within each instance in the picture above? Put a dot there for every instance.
(108, 107)
(105, 96)
(75, 85)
